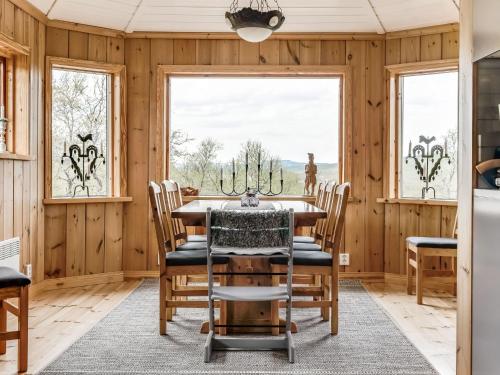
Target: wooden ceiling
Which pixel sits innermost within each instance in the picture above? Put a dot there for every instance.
(208, 16)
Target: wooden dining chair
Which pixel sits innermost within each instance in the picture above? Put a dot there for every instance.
(179, 263)
(173, 200)
(316, 229)
(14, 284)
(324, 263)
(422, 247)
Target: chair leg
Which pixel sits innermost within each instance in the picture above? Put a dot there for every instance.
(409, 273)
(3, 327)
(223, 307)
(163, 305)
(334, 295)
(168, 283)
(420, 277)
(275, 305)
(22, 361)
(325, 313)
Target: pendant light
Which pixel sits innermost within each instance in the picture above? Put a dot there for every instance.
(256, 22)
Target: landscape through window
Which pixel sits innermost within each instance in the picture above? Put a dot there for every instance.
(214, 120)
(80, 106)
(429, 108)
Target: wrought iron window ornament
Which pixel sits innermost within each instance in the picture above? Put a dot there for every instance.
(428, 161)
(257, 21)
(257, 190)
(84, 161)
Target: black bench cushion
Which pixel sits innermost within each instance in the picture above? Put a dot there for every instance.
(433, 242)
(11, 278)
(301, 246)
(306, 258)
(191, 258)
(192, 246)
(303, 239)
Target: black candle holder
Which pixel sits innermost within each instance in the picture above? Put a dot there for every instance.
(259, 189)
(423, 157)
(79, 157)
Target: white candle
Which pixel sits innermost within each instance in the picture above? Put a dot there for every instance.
(446, 147)
(2, 111)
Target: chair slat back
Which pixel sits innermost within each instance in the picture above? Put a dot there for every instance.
(325, 204)
(335, 225)
(156, 201)
(173, 200)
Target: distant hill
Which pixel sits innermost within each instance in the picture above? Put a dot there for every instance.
(298, 167)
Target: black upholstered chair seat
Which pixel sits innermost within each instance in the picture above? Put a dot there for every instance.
(191, 258)
(12, 278)
(197, 238)
(306, 258)
(300, 246)
(303, 239)
(192, 246)
(433, 242)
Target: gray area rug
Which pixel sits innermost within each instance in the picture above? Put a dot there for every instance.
(127, 342)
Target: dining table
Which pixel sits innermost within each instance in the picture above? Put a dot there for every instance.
(248, 317)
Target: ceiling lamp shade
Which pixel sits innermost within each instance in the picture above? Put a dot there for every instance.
(256, 22)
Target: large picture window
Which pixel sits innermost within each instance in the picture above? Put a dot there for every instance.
(428, 119)
(85, 118)
(217, 123)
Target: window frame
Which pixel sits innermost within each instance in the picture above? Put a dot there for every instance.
(117, 129)
(164, 72)
(392, 180)
(16, 89)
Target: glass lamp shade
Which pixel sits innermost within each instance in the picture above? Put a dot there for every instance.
(254, 34)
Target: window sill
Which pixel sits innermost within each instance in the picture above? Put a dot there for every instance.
(10, 156)
(423, 202)
(87, 200)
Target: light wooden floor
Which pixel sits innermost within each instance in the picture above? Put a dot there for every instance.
(431, 327)
(58, 318)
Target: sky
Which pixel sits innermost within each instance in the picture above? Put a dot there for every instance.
(290, 116)
(430, 106)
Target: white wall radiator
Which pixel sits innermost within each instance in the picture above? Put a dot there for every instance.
(9, 253)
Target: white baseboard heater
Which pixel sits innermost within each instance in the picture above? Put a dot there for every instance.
(9, 253)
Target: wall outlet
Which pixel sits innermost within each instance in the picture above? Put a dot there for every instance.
(28, 270)
(344, 259)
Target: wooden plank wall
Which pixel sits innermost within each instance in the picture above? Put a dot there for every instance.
(83, 239)
(367, 59)
(403, 220)
(21, 182)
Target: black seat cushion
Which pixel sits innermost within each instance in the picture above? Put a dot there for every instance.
(433, 242)
(301, 246)
(10, 278)
(191, 258)
(306, 258)
(303, 239)
(192, 246)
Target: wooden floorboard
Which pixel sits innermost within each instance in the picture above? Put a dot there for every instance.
(431, 327)
(59, 317)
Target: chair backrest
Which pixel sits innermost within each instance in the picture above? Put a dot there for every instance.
(259, 229)
(156, 200)
(173, 200)
(325, 204)
(335, 224)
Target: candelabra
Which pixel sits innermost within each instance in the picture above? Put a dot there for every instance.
(258, 189)
(79, 157)
(423, 157)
